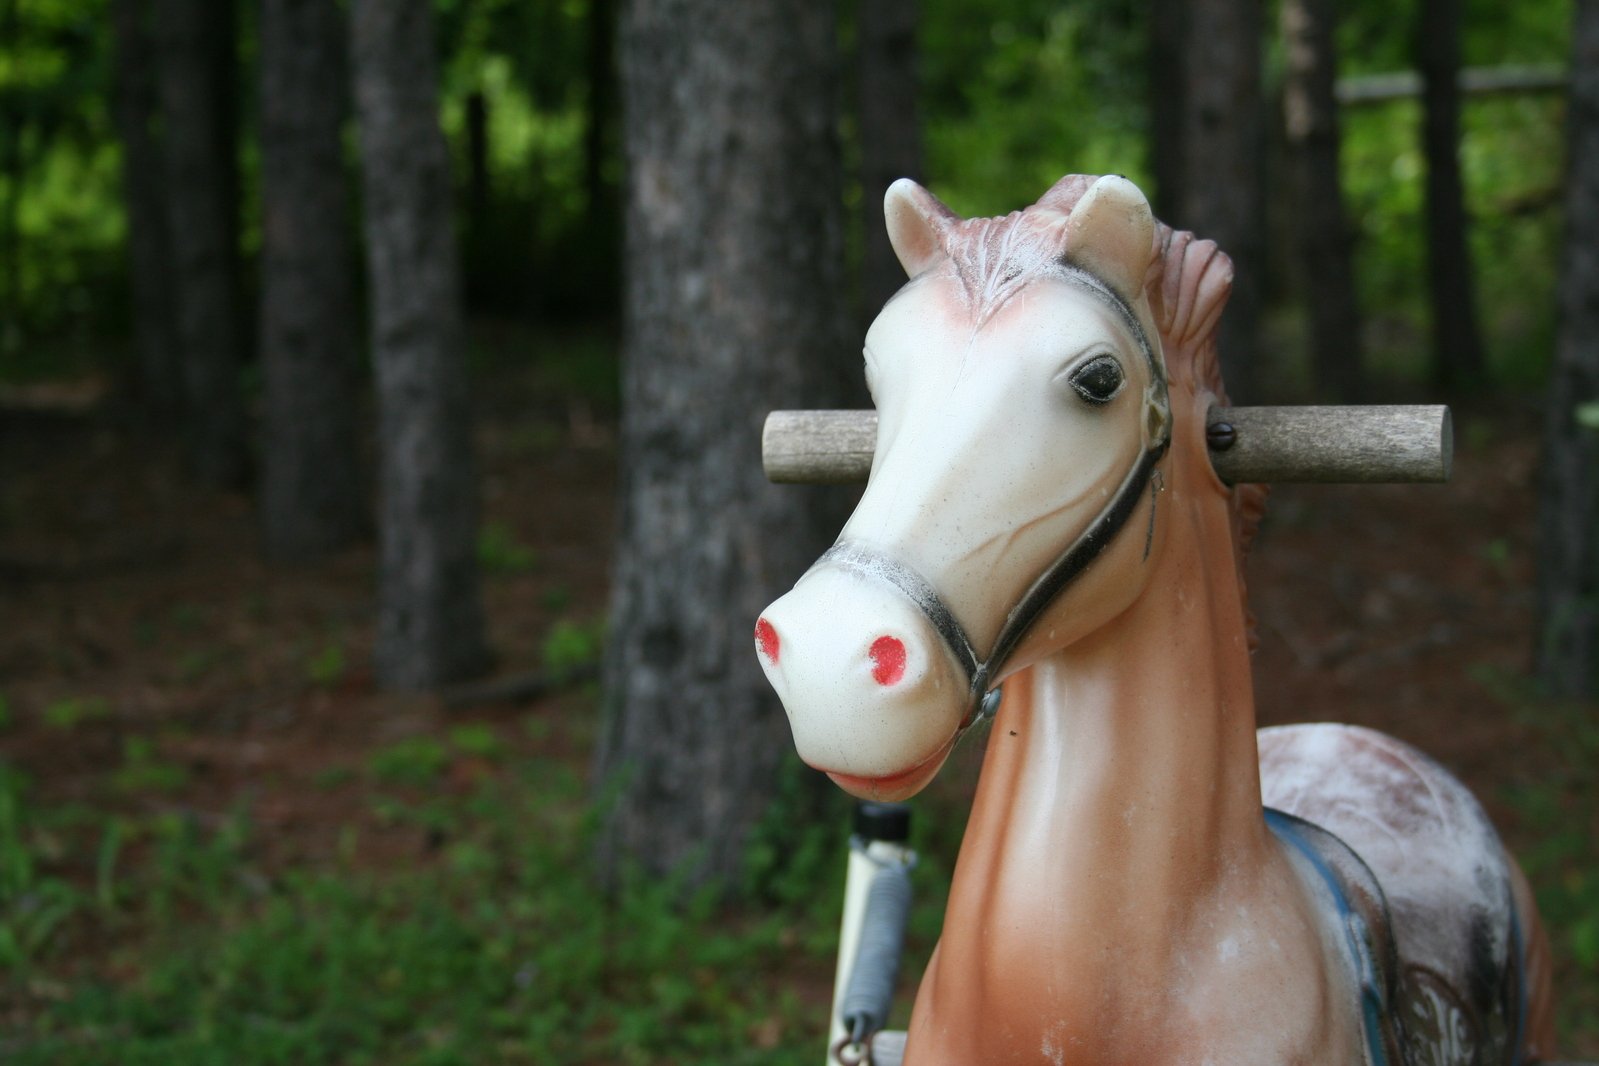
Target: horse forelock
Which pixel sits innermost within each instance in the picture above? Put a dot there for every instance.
(994, 258)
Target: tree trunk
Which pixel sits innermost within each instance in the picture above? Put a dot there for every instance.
(1568, 557)
(200, 182)
(1168, 59)
(890, 134)
(1221, 183)
(1320, 231)
(430, 620)
(312, 497)
(734, 306)
(158, 373)
(1457, 354)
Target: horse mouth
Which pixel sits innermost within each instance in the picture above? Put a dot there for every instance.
(896, 786)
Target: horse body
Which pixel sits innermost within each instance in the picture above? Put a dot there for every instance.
(1042, 511)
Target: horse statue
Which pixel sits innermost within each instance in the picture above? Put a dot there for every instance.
(1144, 879)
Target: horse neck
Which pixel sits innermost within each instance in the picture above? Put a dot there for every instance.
(1121, 782)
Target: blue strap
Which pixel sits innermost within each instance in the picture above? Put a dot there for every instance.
(1286, 829)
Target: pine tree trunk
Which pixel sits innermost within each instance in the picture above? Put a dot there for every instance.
(1568, 520)
(312, 498)
(1457, 353)
(1168, 61)
(158, 372)
(1221, 183)
(201, 181)
(890, 134)
(1320, 231)
(430, 621)
(734, 306)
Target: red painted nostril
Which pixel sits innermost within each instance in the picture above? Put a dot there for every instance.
(766, 640)
(888, 660)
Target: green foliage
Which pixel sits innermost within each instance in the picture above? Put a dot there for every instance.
(416, 761)
(1022, 92)
(499, 552)
(60, 182)
(66, 714)
(1554, 809)
(478, 739)
(501, 953)
(34, 905)
(143, 770)
(327, 666)
(571, 646)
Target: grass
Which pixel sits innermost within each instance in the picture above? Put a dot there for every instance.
(496, 950)
(1557, 811)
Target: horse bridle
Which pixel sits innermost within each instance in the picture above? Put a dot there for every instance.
(872, 565)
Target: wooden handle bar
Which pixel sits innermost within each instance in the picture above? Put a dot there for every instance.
(1348, 445)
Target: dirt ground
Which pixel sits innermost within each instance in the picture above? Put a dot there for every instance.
(142, 602)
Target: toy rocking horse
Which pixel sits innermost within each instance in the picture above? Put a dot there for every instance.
(1144, 878)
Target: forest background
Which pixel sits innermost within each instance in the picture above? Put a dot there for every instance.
(235, 828)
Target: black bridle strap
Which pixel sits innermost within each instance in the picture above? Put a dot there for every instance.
(1068, 565)
(873, 565)
(868, 563)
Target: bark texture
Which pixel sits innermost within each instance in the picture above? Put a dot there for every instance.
(201, 210)
(890, 134)
(430, 619)
(1222, 163)
(158, 373)
(1568, 556)
(734, 306)
(1457, 354)
(1321, 230)
(312, 498)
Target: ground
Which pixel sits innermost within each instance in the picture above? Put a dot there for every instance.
(151, 664)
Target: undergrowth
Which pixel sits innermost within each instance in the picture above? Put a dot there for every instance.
(1556, 809)
(500, 951)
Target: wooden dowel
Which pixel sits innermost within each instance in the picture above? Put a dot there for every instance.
(1349, 445)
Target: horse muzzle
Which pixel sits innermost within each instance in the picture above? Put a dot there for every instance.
(873, 694)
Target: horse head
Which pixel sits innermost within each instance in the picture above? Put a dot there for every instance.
(1023, 421)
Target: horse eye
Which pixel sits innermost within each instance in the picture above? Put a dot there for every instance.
(1097, 380)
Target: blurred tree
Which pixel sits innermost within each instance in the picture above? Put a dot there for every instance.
(195, 77)
(430, 619)
(159, 371)
(312, 497)
(1457, 355)
(1568, 520)
(890, 133)
(734, 306)
(1320, 232)
(1220, 182)
(1167, 59)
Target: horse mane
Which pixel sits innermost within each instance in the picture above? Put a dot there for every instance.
(1188, 283)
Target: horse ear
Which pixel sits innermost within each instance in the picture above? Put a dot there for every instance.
(1111, 234)
(918, 224)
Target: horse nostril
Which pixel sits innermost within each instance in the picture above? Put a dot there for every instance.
(888, 660)
(766, 640)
